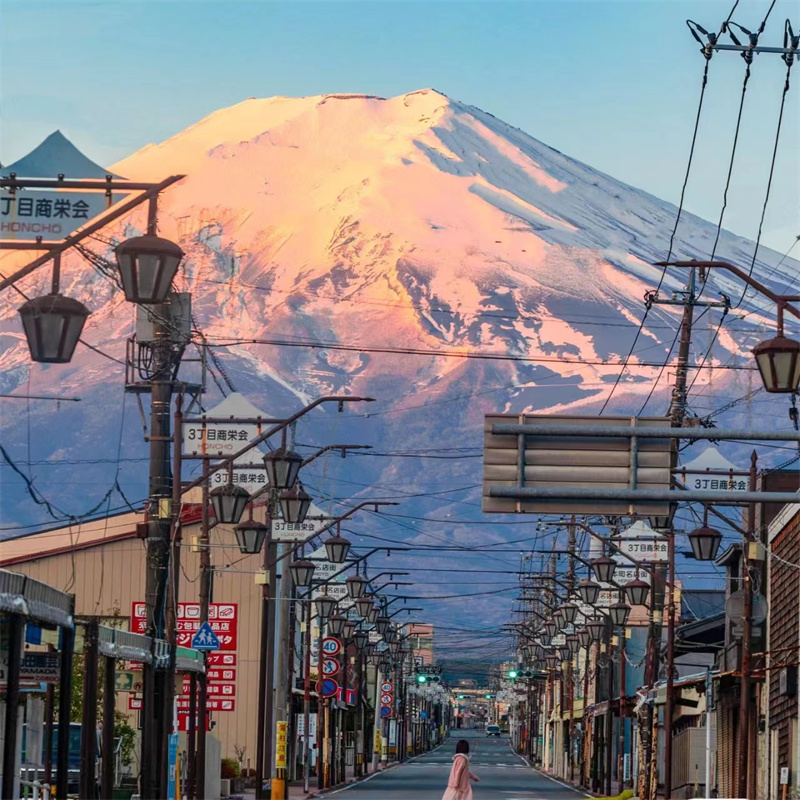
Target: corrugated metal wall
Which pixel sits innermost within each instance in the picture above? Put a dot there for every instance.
(107, 579)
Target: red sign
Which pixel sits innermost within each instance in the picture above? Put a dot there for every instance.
(213, 704)
(219, 659)
(222, 617)
(183, 723)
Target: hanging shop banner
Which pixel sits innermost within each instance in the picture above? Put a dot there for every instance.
(26, 215)
(281, 727)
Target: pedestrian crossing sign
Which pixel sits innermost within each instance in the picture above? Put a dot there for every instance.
(205, 638)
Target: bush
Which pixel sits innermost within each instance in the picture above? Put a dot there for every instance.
(230, 768)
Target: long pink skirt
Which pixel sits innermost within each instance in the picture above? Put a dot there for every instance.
(455, 794)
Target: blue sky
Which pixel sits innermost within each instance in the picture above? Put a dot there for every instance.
(614, 84)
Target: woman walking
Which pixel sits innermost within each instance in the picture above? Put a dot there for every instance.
(459, 786)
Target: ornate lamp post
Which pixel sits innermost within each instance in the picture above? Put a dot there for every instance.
(147, 265)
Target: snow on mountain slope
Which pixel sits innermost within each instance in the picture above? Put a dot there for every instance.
(410, 222)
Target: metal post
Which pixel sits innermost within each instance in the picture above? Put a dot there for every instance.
(709, 709)
(269, 717)
(322, 729)
(159, 512)
(670, 698)
(109, 701)
(609, 736)
(622, 712)
(64, 708)
(16, 626)
(307, 607)
(199, 786)
(191, 737)
(584, 764)
(264, 678)
(49, 712)
(89, 719)
(282, 693)
(744, 691)
(376, 730)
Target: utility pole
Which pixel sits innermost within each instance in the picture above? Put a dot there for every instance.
(571, 545)
(282, 692)
(199, 783)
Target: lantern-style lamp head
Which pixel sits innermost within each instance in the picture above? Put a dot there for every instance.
(551, 659)
(356, 587)
(325, 605)
(705, 543)
(363, 607)
(337, 549)
(573, 643)
(390, 634)
(569, 612)
(603, 568)
(596, 628)
(147, 265)
(588, 591)
(619, 613)
(374, 613)
(302, 572)
(283, 467)
(53, 326)
(349, 629)
(229, 502)
(250, 536)
(778, 362)
(394, 648)
(361, 639)
(294, 505)
(382, 624)
(551, 628)
(637, 592)
(585, 638)
(336, 623)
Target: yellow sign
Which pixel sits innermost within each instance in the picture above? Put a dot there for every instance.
(280, 743)
(377, 747)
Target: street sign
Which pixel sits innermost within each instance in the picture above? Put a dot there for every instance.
(128, 681)
(386, 711)
(281, 736)
(35, 668)
(205, 639)
(387, 699)
(387, 686)
(327, 687)
(225, 438)
(331, 646)
(316, 520)
(330, 666)
(325, 569)
(221, 616)
(29, 215)
(642, 544)
(711, 470)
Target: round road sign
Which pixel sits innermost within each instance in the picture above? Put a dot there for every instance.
(386, 711)
(330, 666)
(387, 699)
(327, 687)
(387, 686)
(331, 646)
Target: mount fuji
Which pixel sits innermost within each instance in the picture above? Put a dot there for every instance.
(352, 243)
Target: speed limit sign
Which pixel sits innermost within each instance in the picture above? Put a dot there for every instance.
(387, 686)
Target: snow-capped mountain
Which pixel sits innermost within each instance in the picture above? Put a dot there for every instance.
(414, 223)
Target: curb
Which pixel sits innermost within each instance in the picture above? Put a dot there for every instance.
(551, 778)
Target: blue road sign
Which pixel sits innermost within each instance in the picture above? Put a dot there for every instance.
(205, 638)
(385, 711)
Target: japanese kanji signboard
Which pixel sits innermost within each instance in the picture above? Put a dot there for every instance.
(221, 616)
(52, 215)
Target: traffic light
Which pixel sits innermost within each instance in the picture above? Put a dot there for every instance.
(461, 697)
(422, 678)
(488, 697)
(512, 673)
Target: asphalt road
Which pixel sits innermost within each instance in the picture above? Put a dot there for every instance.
(503, 775)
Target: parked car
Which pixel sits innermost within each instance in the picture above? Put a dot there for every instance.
(492, 730)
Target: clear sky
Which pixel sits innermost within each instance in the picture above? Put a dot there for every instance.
(614, 84)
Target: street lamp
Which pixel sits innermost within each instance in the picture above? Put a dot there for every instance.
(778, 362)
(589, 591)
(390, 635)
(394, 648)
(619, 613)
(374, 613)
(364, 607)
(348, 629)
(294, 505)
(585, 638)
(337, 548)
(361, 639)
(336, 624)
(551, 628)
(705, 543)
(573, 643)
(596, 627)
(603, 568)
(356, 588)
(283, 467)
(229, 502)
(302, 572)
(147, 265)
(551, 659)
(382, 624)
(569, 612)
(250, 536)
(637, 592)
(325, 606)
(52, 325)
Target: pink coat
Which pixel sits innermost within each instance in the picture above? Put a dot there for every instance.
(459, 786)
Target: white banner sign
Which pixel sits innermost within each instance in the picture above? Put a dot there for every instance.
(315, 522)
(649, 551)
(26, 215)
